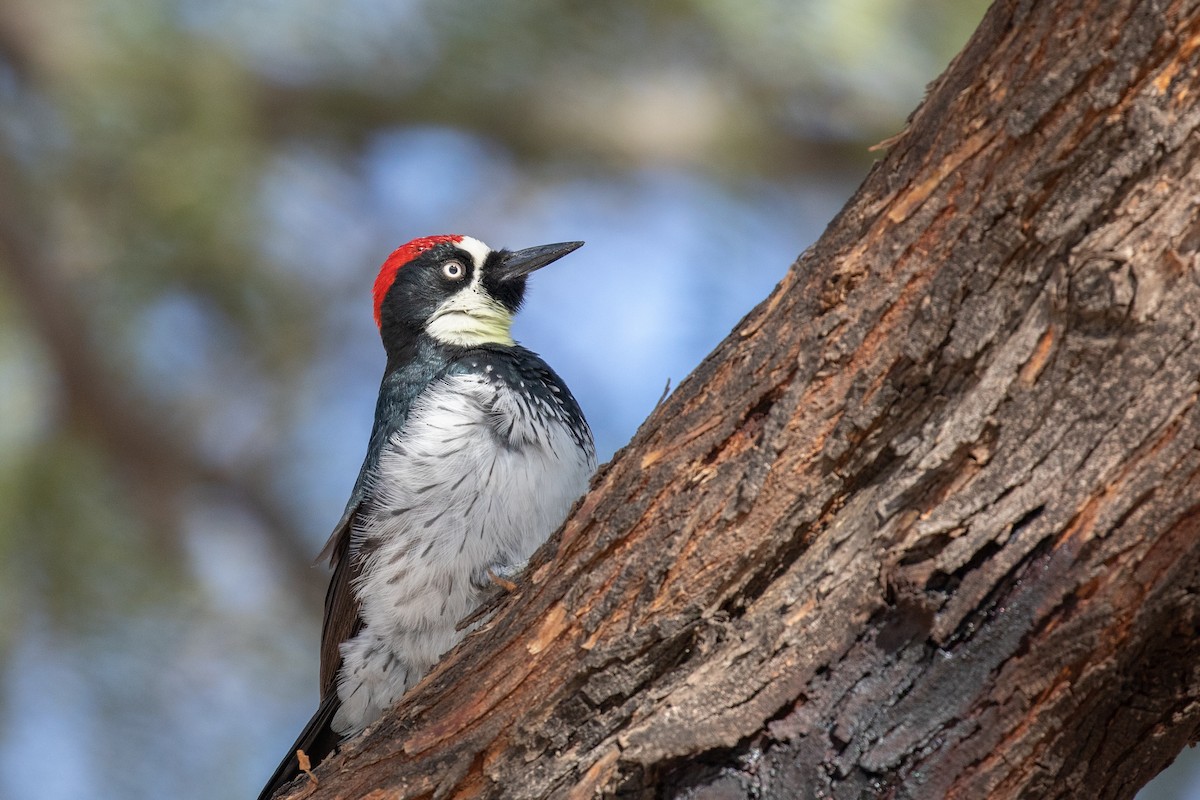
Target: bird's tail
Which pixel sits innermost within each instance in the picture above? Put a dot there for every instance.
(317, 740)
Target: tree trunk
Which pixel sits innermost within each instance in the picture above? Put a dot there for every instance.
(925, 524)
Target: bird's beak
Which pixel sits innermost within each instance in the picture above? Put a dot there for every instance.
(522, 262)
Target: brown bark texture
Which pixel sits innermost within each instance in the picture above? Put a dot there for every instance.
(926, 523)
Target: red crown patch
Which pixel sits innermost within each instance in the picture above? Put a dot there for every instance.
(401, 256)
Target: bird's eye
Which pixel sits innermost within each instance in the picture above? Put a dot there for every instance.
(453, 270)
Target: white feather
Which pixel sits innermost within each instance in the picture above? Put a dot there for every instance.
(476, 485)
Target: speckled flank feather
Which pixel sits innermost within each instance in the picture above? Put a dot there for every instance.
(486, 472)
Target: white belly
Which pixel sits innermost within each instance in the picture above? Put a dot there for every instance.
(476, 486)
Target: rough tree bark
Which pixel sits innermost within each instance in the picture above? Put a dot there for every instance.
(925, 525)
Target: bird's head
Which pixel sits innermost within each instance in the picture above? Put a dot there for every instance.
(456, 289)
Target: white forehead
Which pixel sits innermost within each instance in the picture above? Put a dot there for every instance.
(478, 250)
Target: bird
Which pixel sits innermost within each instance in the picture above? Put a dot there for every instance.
(477, 453)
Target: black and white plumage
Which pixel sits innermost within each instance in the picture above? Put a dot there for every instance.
(477, 453)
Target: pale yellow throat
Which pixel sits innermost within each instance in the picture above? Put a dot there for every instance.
(471, 318)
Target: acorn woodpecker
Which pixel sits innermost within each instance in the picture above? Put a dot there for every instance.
(477, 453)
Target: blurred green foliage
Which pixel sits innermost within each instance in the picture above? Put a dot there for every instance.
(137, 135)
(193, 196)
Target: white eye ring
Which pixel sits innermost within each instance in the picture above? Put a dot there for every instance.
(453, 270)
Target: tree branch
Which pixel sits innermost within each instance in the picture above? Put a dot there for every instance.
(925, 524)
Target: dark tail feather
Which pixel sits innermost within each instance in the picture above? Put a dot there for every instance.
(317, 740)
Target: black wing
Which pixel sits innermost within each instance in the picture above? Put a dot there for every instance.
(402, 383)
(342, 621)
(317, 740)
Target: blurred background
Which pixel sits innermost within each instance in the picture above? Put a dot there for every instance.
(195, 196)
